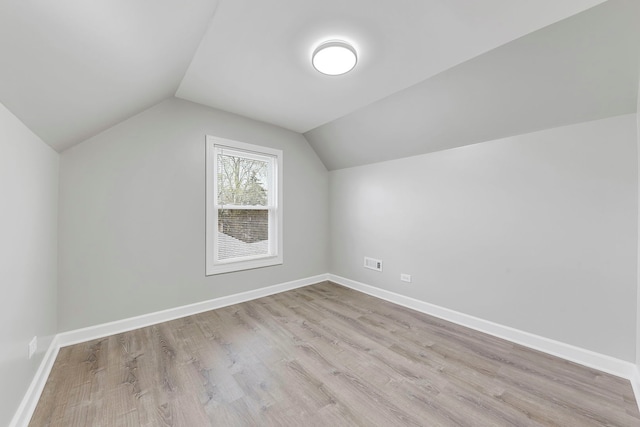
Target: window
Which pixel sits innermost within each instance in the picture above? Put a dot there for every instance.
(244, 206)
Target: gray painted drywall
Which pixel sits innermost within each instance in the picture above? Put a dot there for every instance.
(28, 256)
(132, 214)
(537, 232)
(638, 290)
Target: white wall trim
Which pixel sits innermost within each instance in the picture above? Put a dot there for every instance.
(28, 405)
(124, 325)
(569, 352)
(635, 383)
(31, 397)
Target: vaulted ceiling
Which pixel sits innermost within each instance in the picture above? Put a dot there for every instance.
(583, 68)
(432, 74)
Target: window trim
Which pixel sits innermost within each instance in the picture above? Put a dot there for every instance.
(214, 266)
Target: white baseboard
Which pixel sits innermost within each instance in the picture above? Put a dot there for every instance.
(579, 355)
(31, 397)
(635, 383)
(124, 325)
(28, 405)
(569, 352)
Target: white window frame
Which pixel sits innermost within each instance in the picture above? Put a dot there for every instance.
(275, 256)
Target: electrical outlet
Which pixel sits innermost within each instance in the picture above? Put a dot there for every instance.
(33, 346)
(405, 277)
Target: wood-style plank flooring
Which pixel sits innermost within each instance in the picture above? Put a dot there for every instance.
(322, 355)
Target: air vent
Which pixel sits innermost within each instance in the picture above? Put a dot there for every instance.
(373, 264)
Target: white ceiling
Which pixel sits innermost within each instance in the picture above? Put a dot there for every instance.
(255, 59)
(72, 68)
(583, 68)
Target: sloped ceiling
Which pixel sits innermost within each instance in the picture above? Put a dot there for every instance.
(583, 68)
(72, 68)
(255, 59)
(431, 74)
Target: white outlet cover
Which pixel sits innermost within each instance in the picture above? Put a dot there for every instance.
(405, 277)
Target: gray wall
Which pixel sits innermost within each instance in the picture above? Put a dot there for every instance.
(28, 256)
(537, 232)
(638, 290)
(132, 215)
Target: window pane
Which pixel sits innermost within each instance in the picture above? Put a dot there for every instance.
(243, 198)
(242, 233)
(242, 181)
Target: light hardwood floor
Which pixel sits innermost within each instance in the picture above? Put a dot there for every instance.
(322, 355)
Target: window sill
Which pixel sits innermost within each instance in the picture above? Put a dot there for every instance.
(229, 267)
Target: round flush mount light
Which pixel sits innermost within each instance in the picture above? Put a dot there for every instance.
(334, 57)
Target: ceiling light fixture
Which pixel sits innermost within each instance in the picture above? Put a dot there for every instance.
(334, 57)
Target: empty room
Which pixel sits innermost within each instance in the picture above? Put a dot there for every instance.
(319, 213)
